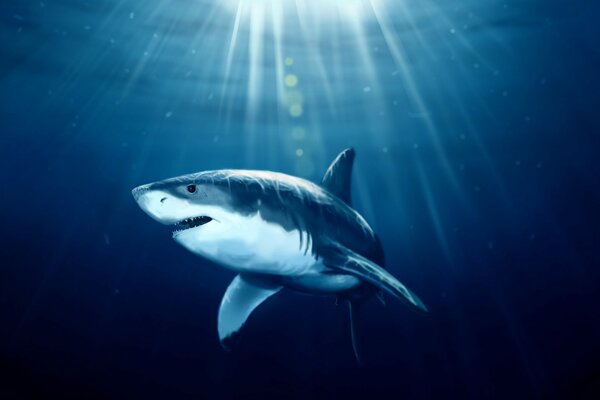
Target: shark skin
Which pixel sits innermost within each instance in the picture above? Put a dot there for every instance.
(276, 231)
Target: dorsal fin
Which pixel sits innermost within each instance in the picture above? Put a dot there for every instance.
(339, 174)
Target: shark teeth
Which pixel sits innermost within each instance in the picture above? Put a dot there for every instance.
(190, 223)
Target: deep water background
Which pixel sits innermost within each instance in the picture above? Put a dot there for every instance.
(476, 128)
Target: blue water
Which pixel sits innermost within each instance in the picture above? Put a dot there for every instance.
(476, 128)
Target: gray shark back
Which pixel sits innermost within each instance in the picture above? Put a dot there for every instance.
(295, 204)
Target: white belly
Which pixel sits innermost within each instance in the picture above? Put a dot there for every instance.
(251, 244)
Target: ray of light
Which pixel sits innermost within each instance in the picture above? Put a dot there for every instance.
(432, 208)
(231, 49)
(397, 53)
(255, 75)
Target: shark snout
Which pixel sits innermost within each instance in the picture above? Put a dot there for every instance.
(156, 204)
(138, 191)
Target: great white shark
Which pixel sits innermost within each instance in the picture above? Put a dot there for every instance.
(276, 231)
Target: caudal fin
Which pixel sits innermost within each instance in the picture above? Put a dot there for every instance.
(353, 307)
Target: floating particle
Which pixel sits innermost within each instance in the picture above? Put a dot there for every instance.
(131, 15)
(367, 89)
(169, 114)
(299, 152)
(385, 149)
(289, 61)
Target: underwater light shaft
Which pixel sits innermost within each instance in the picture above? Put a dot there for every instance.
(294, 80)
(326, 9)
(299, 79)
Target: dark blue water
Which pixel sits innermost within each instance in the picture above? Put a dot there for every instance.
(476, 128)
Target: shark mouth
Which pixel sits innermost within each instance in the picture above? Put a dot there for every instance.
(190, 223)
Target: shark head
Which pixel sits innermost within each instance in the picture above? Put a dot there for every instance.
(192, 208)
(224, 216)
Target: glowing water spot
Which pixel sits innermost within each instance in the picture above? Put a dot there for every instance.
(291, 80)
(296, 110)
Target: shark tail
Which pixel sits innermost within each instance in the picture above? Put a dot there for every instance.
(354, 307)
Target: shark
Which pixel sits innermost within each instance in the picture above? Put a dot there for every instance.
(276, 231)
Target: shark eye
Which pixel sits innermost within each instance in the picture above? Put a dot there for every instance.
(191, 188)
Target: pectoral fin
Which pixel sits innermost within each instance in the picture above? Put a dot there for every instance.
(242, 296)
(341, 258)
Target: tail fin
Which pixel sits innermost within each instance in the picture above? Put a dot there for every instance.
(353, 308)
